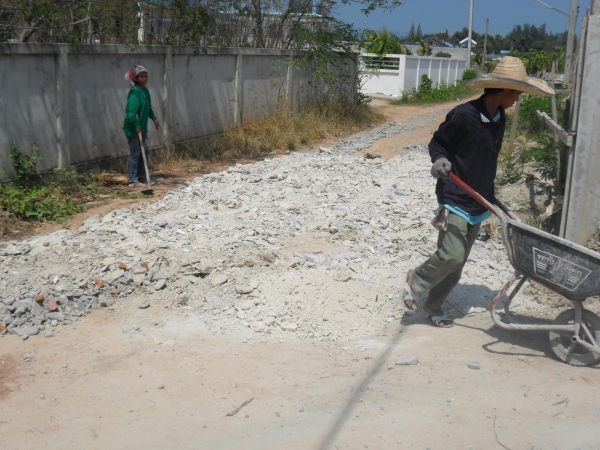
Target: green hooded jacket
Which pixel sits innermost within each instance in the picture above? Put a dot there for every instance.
(137, 111)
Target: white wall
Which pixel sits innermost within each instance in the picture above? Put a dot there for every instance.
(393, 82)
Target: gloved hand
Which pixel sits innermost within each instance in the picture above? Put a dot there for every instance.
(441, 168)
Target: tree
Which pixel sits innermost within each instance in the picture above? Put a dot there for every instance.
(419, 31)
(412, 32)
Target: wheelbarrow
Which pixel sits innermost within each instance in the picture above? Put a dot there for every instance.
(566, 268)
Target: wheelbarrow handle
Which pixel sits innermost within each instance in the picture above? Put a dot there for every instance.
(473, 193)
(487, 205)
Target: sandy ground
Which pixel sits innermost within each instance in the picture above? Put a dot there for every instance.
(125, 378)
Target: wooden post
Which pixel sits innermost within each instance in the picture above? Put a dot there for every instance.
(167, 98)
(470, 34)
(570, 41)
(484, 54)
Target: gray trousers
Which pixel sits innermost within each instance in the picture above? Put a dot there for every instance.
(442, 271)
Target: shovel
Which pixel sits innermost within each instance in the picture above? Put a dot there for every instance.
(148, 191)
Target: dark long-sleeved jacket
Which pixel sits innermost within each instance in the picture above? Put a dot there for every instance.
(471, 141)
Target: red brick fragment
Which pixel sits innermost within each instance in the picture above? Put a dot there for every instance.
(40, 298)
(2, 327)
(144, 264)
(99, 282)
(122, 266)
(51, 305)
(116, 292)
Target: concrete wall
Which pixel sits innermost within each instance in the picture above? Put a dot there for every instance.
(581, 216)
(409, 73)
(71, 99)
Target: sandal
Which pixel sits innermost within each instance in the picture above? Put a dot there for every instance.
(409, 297)
(442, 321)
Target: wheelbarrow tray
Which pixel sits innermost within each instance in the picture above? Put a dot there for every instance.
(562, 266)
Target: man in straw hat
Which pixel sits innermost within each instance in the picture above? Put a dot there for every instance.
(467, 143)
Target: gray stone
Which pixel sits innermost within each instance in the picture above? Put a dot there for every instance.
(27, 330)
(473, 364)
(289, 326)
(243, 289)
(28, 357)
(248, 304)
(159, 285)
(144, 305)
(159, 276)
(48, 332)
(139, 270)
(269, 320)
(114, 276)
(219, 279)
(410, 361)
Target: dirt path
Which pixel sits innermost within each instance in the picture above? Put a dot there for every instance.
(126, 378)
(156, 379)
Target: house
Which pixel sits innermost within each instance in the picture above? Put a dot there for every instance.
(435, 42)
(465, 43)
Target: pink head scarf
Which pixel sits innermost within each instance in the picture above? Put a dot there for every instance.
(134, 72)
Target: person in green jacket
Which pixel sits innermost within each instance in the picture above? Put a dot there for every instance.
(137, 112)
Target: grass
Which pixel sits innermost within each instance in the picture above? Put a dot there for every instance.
(283, 130)
(55, 196)
(443, 93)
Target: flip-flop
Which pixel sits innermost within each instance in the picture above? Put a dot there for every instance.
(409, 297)
(442, 321)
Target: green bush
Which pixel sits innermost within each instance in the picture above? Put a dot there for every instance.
(29, 197)
(427, 94)
(443, 55)
(469, 74)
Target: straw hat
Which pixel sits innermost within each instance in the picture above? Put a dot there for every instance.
(510, 74)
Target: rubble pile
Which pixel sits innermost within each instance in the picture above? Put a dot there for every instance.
(305, 245)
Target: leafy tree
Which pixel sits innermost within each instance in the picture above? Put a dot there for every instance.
(412, 32)
(419, 31)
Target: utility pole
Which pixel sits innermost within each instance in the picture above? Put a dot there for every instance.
(484, 54)
(570, 41)
(470, 34)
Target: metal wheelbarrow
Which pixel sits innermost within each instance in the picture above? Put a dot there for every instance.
(565, 268)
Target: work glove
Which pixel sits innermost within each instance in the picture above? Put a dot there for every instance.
(441, 168)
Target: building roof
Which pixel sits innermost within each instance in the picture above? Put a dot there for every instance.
(438, 42)
(465, 41)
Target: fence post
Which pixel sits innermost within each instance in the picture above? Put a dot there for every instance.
(239, 97)
(62, 107)
(167, 94)
(289, 81)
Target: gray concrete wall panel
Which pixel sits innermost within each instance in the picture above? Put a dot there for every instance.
(97, 99)
(203, 92)
(264, 84)
(27, 108)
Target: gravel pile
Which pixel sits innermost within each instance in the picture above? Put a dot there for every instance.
(305, 245)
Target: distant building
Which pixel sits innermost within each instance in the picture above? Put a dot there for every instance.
(465, 43)
(435, 42)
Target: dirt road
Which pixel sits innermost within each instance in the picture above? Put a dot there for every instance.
(126, 378)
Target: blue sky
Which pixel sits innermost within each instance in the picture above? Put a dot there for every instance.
(453, 15)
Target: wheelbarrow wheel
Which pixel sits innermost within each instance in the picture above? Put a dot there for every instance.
(568, 351)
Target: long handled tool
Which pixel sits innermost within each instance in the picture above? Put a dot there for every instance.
(148, 191)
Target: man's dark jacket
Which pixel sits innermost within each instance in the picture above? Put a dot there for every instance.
(471, 141)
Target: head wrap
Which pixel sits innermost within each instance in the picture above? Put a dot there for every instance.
(134, 72)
